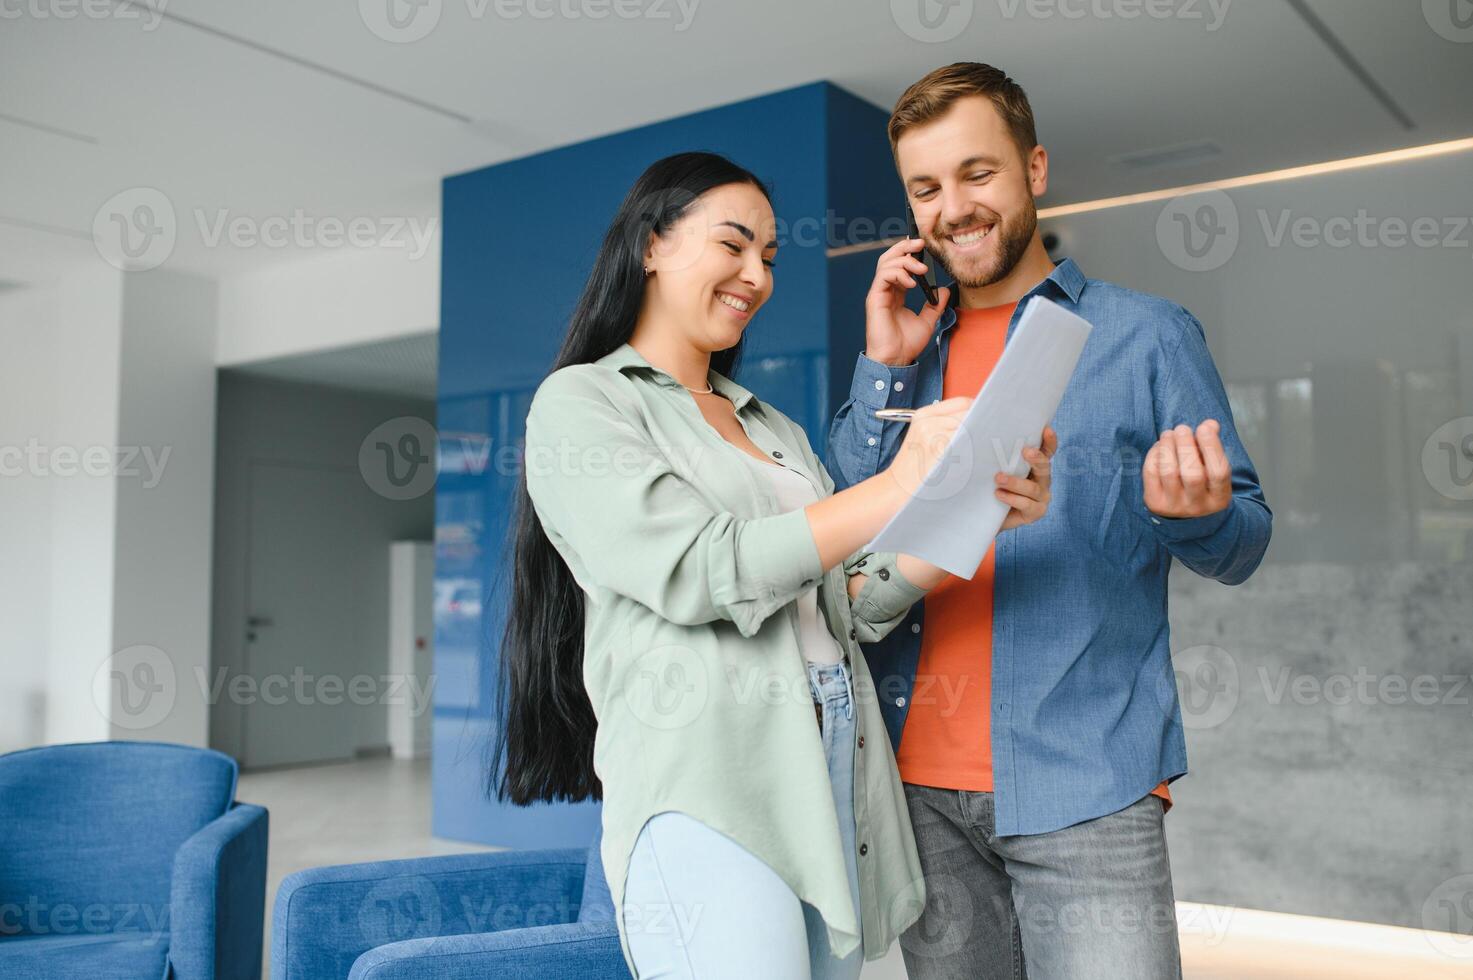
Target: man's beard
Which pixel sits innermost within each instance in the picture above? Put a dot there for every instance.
(1012, 241)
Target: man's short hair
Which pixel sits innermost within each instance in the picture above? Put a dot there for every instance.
(932, 96)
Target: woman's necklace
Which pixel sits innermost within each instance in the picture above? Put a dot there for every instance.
(698, 391)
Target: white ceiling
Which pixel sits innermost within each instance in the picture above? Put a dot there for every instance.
(270, 107)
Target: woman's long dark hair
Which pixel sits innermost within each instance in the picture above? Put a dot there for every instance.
(543, 748)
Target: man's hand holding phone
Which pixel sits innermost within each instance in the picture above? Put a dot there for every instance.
(893, 334)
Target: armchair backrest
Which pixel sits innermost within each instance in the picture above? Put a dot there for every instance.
(597, 904)
(88, 832)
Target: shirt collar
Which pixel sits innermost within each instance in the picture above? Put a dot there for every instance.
(626, 358)
(1066, 279)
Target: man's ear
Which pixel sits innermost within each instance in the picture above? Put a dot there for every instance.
(1038, 171)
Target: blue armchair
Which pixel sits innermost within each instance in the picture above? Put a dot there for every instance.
(544, 914)
(124, 860)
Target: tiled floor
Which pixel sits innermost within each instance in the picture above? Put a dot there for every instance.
(376, 809)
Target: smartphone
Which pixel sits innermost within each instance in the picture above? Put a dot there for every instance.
(928, 281)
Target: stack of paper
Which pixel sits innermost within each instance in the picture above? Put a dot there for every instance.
(954, 514)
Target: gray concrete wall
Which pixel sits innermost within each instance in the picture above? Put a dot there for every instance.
(1328, 700)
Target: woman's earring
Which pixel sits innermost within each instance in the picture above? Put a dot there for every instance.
(647, 270)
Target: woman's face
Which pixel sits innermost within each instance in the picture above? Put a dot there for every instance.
(713, 268)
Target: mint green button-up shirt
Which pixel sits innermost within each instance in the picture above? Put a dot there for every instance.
(691, 644)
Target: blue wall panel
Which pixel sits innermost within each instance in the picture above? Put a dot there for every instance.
(867, 204)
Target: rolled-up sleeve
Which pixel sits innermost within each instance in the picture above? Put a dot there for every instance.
(1230, 544)
(885, 597)
(605, 492)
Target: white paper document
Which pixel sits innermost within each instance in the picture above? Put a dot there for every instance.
(954, 514)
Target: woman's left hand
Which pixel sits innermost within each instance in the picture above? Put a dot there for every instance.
(1029, 496)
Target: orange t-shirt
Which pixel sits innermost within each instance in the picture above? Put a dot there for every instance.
(947, 740)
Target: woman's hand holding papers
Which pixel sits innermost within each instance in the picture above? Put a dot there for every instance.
(927, 435)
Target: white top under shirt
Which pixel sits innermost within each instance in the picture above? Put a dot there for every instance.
(794, 491)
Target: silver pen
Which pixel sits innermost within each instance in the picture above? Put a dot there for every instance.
(901, 414)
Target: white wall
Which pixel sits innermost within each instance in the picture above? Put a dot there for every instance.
(25, 516)
(82, 371)
(102, 360)
(102, 551)
(352, 297)
(58, 407)
(161, 574)
(51, 523)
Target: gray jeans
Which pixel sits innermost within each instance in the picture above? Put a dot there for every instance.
(1089, 901)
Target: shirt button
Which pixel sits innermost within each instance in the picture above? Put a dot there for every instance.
(884, 574)
(861, 741)
(776, 454)
(863, 849)
(852, 634)
(879, 386)
(900, 386)
(871, 440)
(915, 627)
(900, 702)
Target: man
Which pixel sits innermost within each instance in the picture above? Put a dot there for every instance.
(1033, 708)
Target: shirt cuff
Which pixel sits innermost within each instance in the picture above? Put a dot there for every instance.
(1188, 528)
(787, 541)
(886, 593)
(879, 385)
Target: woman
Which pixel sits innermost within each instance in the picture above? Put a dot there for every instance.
(666, 649)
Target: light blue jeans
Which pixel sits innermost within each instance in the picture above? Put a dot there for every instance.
(698, 905)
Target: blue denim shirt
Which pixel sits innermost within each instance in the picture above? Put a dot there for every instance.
(1085, 719)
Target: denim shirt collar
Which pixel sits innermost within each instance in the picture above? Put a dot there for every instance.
(1066, 279)
(626, 358)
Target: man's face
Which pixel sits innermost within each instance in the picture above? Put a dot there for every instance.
(972, 190)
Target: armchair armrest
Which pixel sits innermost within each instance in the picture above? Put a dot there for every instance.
(326, 918)
(580, 949)
(217, 898)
